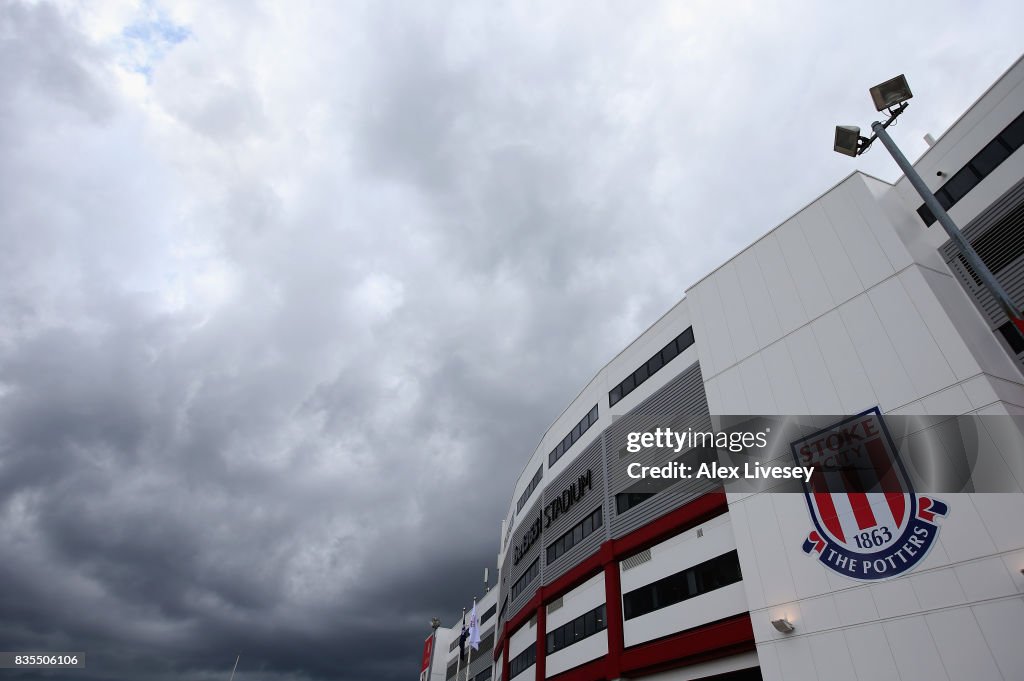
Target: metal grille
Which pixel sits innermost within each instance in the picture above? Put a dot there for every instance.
(638, 559)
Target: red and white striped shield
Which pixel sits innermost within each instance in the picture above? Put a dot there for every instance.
(870, 524)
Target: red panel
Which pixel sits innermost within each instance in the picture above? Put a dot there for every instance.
(595, 670)
(710, 642)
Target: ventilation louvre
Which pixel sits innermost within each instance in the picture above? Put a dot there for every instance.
(637, 560)
(554, 605)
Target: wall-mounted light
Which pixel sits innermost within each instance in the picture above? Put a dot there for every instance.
(782, 625)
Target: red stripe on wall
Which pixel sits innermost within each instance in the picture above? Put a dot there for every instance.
(728, 637)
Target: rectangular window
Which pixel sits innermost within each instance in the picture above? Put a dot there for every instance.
(523, 661)
(964, 181)
(531, 574)
(1012, 337)
(575, 434)
(584, 626)
(694, 581)
(575, 535)
(489, 613)
(994, 153)
(1013, 134)
(627, 500)
(979, 167)
(651, 366)
(529, 488)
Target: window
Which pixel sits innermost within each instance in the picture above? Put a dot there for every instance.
(489, 613)
(523, 661)
(975, 170)
(575, 535)
(994, 153)
(694, 581)
(651, 366)
(1012, 337)
(627, 500)
(529, 488)
(524, 581)
(962, 182)
(485, 675)
(575, 434)
(578, 629)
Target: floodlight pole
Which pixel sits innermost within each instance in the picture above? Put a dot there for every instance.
(972, 257)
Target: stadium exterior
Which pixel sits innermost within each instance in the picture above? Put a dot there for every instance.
(856, 302)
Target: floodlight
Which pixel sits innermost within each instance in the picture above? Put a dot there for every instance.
(890, 93)
(782, 625)
(847, 139)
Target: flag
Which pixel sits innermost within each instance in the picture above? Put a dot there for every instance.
(462, 636)
(474, 628)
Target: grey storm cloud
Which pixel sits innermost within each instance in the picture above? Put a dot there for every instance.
(290, 292)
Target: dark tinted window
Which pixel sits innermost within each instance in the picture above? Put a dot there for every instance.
(994, 153)
(585, 625)
(1013, 337)
(574, 535)
(521, 662)
(694, 581)
(1013, 134)
(575, 434)
(964, 181)
(651, 366)
(524, 581)
(529, 488)
(983, 163)
(627, 500)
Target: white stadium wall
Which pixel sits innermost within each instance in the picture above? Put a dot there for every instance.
(852, 304)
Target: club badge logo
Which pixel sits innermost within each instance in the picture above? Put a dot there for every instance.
(869, 523)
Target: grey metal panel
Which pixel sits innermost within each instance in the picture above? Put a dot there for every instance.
(503, 589)
(517, 570)
(1011, 276)
(589, 459)
(679, 405)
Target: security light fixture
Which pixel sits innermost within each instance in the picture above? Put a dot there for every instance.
(891, 97)
(782, 625)
(890, 93)
(847, 140)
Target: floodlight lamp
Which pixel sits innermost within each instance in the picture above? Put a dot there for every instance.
(847, 140)
(782, 625)
(891, 93)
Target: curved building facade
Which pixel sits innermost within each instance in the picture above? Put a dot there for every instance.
(854, 304)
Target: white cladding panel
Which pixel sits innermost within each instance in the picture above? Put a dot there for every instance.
(523, 638)
(672, 556)
(694, 612)
(583, 598)
(578, 653)
(856, 331)
(890, 629)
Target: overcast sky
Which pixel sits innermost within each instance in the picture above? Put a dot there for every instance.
(290, 291)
